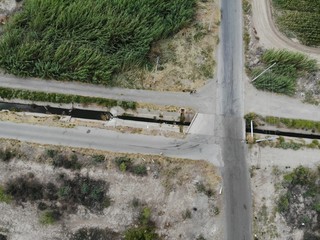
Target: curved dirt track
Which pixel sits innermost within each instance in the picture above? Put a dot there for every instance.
(269, 35)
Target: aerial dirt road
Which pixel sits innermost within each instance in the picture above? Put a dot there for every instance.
(270, 36)
(193, 147)
(197, 101)
(229, 118)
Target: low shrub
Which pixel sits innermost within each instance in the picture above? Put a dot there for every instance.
(4, 197)
(125, 164)
(283, 203)
(8, 93)
(85, 191)
(139, 169)
(145, 229)
(203, 189)
(95, 234)
(186, 214)
(63, 161)
(6, 155)
(49, 217)
(51, 153)
(142, 232)
(98, 158)
(24, 189)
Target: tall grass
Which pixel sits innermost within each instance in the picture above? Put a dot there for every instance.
(282, 77)
(9, 93)
(275, 83)
(289, 61)
(87, 41)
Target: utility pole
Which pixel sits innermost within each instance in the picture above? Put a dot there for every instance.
(263, 72)
(157, 63)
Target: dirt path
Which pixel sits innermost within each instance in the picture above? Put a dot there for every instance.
(270, 104)
(270, 36)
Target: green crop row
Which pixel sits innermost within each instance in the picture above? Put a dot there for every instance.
(300, 19)
(87, 41)
(298, 5)
(9, 93)
(304, 25)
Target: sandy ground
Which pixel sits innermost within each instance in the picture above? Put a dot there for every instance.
(169, 190)
(268, 165)
(270, 36)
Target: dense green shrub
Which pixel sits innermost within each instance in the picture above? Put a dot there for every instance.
(87, 41)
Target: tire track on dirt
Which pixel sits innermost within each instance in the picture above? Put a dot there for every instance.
(270, 36)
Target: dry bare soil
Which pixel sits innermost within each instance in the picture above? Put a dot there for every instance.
(269, 182)
(50, 192)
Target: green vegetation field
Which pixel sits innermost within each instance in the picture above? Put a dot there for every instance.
(88, 41)
(282, 77)
(300, 19)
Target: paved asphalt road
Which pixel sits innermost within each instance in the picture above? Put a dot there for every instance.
(197, 101)
(194, 147)
(229, 128)
(230, 111)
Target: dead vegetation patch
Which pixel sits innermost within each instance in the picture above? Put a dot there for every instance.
(74, 194)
